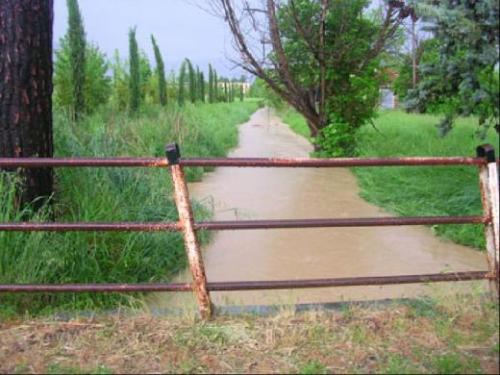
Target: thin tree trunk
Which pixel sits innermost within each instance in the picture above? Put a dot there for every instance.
(414, 48)
(26, 89)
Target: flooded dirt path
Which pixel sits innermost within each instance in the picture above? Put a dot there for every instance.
(282, 193)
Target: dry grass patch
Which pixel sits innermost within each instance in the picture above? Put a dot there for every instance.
(450, 336)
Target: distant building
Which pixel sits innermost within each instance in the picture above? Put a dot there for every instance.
(237, 84)
(387, 99)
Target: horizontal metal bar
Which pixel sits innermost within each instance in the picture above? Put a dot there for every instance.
(236, 162)
(347, 281)
(94, 288)
(328, 163)
(89, 227)
(82, 162)
(247, 285)
(330, 223)
(240, 224)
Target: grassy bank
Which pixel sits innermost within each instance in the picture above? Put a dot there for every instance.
(111, 195)
(420, 191)
(451, 336)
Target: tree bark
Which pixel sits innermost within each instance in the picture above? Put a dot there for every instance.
(26, 90)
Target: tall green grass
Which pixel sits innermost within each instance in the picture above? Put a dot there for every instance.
(111, 195)
(415, 191)
(296, 122)
(420, 191)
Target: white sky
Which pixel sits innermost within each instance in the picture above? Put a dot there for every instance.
(180, 28)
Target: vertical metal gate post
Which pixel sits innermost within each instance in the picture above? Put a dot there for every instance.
(488, 177)
(187, 224)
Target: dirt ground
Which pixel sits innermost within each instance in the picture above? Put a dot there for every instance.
(458, 335)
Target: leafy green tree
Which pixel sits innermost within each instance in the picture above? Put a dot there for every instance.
(323, 60)
(464, 74)
(182, 83)
(77, 48)
(216, 87)
(210, 84)
(403, 85)
(404, 81)
(146, 75)
(135, 73)
(160, 71)
(97, 88)
(201, 86)
(197, 82)
(172, 81)
(351, 80)
(192, 81)
(120, 83)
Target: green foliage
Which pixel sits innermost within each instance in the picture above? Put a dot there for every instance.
(192, 81)
(111, 195)
(210, 84)
(463, 76)
(135, 73)
(403, 83)
(201, 86)
(97, 88)
(259, 89)
(444, 191)
(77, 48)
(352, 79)
(296, 122)
(160, 71)
(182, 84)
(337, 139)
(120, 83)
(146, 77)
(97, 83)
(216, 87)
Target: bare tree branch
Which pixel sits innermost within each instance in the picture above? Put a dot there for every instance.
(254, 27)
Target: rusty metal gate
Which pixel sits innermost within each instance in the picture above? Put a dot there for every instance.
(488, 179)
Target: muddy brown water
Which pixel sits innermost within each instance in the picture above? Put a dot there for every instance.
(293, 193)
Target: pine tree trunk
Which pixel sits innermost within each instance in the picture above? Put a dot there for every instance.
(26, 89)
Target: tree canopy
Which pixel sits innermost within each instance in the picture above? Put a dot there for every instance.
(322, 57)
(463, 74)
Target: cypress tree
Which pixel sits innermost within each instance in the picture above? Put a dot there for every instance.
(182, 84)
(242, 93)
(216, 87)
(226, 98)
(202, 87)
(210, 84)
(192, 82)
(196, 78)
(77, 45)
(135, 74)
(198, 83)
(160, 70)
